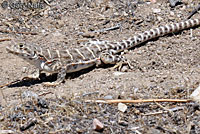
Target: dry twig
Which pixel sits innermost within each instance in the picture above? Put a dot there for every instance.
(1, 40)
(161, 112)
(43, 94)
(8, 31)
(4, 85)
(101, 30)
(141, 101)
(194, 11)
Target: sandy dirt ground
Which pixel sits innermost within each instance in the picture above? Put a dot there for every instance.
(167, 67)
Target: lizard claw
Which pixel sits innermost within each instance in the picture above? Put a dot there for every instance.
(51, 84)
(30, 78)
(120, 64)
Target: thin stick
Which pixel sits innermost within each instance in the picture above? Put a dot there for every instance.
(160, 112)
(141, 101)
(43, 94)
(8, 31)
(103, 30)
(194, 11)
(3, 96)
(164, 108)
(108, 29)
(1, 86)
(1, 40)
(47, 2)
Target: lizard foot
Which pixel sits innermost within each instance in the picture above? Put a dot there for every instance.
(34, 76)
(120, 64)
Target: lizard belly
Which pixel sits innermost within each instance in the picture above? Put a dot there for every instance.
(46, 68)
(74, 67)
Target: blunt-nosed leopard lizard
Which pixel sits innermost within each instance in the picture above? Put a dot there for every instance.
(96, 52)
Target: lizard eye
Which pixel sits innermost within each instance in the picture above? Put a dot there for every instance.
(21, 45)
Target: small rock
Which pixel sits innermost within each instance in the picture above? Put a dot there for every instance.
(1, 118)
(196, 95)
(108, 97)
(171, 13)
(153, 1)
(17, 24)
(159, 18)
(45, 13)
(173, 3)
(60, 24)
(24, 69)
(88, 34)
(118, 73)
(135, 90)
(125, 14)
(124, 69)
(123, 123)
(156, 10)
(42, 103)
(97, 125)
(43, 31)
(6, 132)
(57, 34)
(29, 94)
(122, 107)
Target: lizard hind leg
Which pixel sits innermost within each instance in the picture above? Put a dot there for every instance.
(119, 61)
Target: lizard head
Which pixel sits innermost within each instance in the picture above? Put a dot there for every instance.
(25, 51)
(33, 54)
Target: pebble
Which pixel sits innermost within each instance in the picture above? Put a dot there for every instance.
(173, 3)
(196, 95)
(153, 1)
(45, 13)
(108, 97)
(159, 18)
(6, 132)
(57, 34)
(29, 94)
(118, 73)
(172, 13)
(97, 125)
(43, 31)
(60, 24)
(123, 123)
(24, 69)
(1, 118)
(135, 90)
(122, 107)
(124, 69)
(156, 10)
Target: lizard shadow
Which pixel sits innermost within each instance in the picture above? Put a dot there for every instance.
(50, 78)
(30, 82)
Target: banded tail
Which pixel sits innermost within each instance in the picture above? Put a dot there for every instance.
(151, 34)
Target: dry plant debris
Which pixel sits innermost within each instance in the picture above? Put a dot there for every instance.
(76, 116)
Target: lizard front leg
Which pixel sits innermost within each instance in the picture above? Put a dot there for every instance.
(60, 78)
(35, 75)
(119, 61)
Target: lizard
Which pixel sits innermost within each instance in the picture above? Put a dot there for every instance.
(94, 53)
